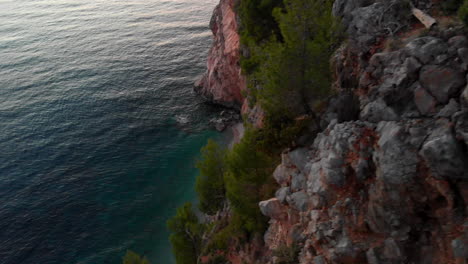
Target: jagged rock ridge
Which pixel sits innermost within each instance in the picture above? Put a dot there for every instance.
(389, 183)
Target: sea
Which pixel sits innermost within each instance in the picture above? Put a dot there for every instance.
(99, 126)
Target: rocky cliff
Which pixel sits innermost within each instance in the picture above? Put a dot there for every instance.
(223, 82)
(386, 178)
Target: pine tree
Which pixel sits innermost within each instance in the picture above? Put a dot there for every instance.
(186, 235)
(298, 69)
(210, 182)
(133, 258)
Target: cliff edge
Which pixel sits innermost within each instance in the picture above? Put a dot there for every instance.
(381, 177)
(386, 178)
(223, 82)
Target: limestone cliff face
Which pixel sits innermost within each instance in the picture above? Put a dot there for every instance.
(386, 179)
(222, 83)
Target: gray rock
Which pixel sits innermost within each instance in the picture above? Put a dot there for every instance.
(426, 49)
(282, 193)
(372, 257)
(463, 54)
(443, 154)
(450, 109)
(374, 19)
(298, 158)
(319, 260)
(314, 183)
(461, 125)
(296, 234)
(345, 250)
(464, 95)
(273, 209)
(345, 7)
(343, 107)
(362, 169)
(298, 182)
(299, 201)
(460, 248)
(281, 175)
(396, 162)
(441, 59)
(442, 82)
(412, 65)
(424, 101)
(377, 111)
(458, 42)
(332, 168)
(391, 249)
(417, 135)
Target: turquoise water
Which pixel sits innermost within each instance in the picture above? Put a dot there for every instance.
(99, 125)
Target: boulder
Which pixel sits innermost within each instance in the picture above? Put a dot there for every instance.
(298, 182)
(299, 201)
(443, 153)
(426, 49)
(442, 82)
(282, 175)
(396, 162)
(450, 109)
(333, 169)
(297, 158)
(458, 42)
(282, 193)
(463, 54)
(377, 111)
(319, 260)
(461, 125)
(372, 257)
(424, 101)
(460, 247)
(464, 95)
(273, 209)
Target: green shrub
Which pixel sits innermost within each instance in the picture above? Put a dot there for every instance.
(133, 258)
(186, 235)
(287, 254)
(450, 7)
(463, 12)
(296, 72)
(248, 169)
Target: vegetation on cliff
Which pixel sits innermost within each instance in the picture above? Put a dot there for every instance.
(186, 235)
(210, 183)
(133, 258)
(294, 73)
(289, 45)
(463, 12)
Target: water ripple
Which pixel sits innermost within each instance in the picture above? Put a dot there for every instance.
(99, 126)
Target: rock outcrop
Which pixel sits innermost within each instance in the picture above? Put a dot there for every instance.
(222, 83)
(386, 180)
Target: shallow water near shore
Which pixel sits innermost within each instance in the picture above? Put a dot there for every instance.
(99, 125)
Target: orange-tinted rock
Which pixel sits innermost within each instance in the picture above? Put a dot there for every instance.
(222, 83)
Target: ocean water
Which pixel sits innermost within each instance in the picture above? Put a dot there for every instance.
(99, 127)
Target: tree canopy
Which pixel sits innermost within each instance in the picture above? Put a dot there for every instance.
(186, 235)
(210, 183)
(133, 258)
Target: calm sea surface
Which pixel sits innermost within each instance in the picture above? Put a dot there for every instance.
(99, 128)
